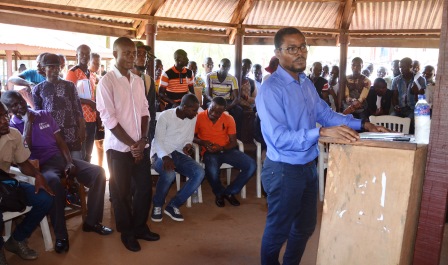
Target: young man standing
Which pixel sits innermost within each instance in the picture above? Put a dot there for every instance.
(124, 111)
(84, 80)
(289, 108)
(356, 92)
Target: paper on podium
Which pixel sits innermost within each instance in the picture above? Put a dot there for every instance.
(382, 136)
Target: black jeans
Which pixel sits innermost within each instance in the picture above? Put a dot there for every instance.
(131, 202)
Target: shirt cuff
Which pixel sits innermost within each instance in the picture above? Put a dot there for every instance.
(355, 124)
(313, 134)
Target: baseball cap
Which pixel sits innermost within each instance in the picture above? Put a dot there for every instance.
(273, 63)
(50, 59)
(147, 48)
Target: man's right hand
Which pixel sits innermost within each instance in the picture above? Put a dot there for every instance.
(342, 132)
(168, 163)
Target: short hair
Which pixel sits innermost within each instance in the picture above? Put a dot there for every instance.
(94, 55)
(207, 59)
(189, 100)
(380, 80)
(220, 101)
(358, 59)
(180, 52)
(247, 60)
(8, 95)
(257, 66)
(406, 60)
(3, 105)
(429, 67)
(41, 56)
(278, 39)
(122, 41)
(192, 62)
(315, 63)
(224, 60)
(82, 46)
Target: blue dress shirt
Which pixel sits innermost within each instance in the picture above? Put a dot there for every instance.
(289, 110)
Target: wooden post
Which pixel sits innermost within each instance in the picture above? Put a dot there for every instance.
(428, 245)
(151, 32)
(343, 42)
(239, 42)
(9, 69)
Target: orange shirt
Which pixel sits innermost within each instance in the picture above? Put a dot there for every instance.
(76, 74)
(217, 133)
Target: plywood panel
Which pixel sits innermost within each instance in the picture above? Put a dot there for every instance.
(371, 205)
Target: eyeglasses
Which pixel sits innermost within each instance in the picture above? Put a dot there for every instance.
(293, 50)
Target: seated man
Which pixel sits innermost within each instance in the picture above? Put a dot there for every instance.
(43, 137)
(171, 150)
(379, 99)
(13, 150)
(216, 134)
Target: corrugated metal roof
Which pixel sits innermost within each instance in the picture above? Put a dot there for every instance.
(294, 13)
(398, 15)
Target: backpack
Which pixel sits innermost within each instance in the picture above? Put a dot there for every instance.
(12, 196)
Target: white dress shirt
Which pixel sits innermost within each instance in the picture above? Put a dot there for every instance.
(121, 101)
(172, 133)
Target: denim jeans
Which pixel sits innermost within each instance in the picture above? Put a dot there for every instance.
(235, 158)
(292, 210)
(87, 145)
(187, 167)
(41, 202)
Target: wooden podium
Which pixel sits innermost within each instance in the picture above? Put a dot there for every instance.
(372, 201)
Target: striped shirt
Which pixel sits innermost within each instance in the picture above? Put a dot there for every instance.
(177, 84)
(221, 89)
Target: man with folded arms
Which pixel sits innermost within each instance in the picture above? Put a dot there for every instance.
(42, 135)
(216, 134)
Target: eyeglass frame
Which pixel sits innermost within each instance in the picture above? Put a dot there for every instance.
(304, 47)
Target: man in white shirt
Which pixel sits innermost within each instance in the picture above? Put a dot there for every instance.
(123, 109)
(171, 150)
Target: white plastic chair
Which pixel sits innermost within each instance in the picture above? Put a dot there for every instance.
(321, 166)
(225, 166)
(393, 123)
(9, 216)
(259, 167)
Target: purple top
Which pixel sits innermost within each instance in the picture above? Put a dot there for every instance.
(43, 139)
(61, 99)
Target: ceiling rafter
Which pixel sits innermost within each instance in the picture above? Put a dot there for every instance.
(150, 8)
(240, 13)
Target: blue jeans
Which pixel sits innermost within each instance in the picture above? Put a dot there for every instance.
(235, 158)
(187, 167)
(41, 202)
(292, 210)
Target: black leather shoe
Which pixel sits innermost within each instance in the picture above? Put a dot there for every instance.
(131, 243)
(150, 236)
(61, 245)
(97, 228)
(232, 200)
(220, 201)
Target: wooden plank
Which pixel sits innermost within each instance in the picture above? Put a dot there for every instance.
(150, 8)
(399, 43)
(63, 25)
(371, 205)
(394, 31)
(191, 38)
(240, 13)
(374, 143)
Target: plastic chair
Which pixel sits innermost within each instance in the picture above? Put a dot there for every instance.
(259, 167)
(9, 216)
(225, 166)
(394, 123)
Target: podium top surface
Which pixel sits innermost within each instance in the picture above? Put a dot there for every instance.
(375, 143)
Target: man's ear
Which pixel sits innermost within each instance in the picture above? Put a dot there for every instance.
(115, 54)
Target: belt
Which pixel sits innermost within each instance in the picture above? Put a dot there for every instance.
(311, 163)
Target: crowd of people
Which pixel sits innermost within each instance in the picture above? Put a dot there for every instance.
(57, 120)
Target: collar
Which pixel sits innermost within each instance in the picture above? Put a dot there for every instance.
(184, 70)
(119, 75)
(288, 78)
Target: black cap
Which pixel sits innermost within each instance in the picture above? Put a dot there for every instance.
(50, 59)
(147, 48)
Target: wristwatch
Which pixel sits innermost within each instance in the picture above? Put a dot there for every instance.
(145, 138)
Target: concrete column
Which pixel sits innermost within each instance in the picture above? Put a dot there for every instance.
(9, 68)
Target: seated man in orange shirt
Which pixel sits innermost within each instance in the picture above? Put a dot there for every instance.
(216, 134)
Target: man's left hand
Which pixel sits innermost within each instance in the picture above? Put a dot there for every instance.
(41, 183)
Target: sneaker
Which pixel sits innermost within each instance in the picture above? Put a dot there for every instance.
(156, 215)
(20, 248)
(174, 213)
(2, 257)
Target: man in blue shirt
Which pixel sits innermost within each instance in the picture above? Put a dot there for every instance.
(289, 107)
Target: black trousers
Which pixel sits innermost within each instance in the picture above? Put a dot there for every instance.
(131, 191)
